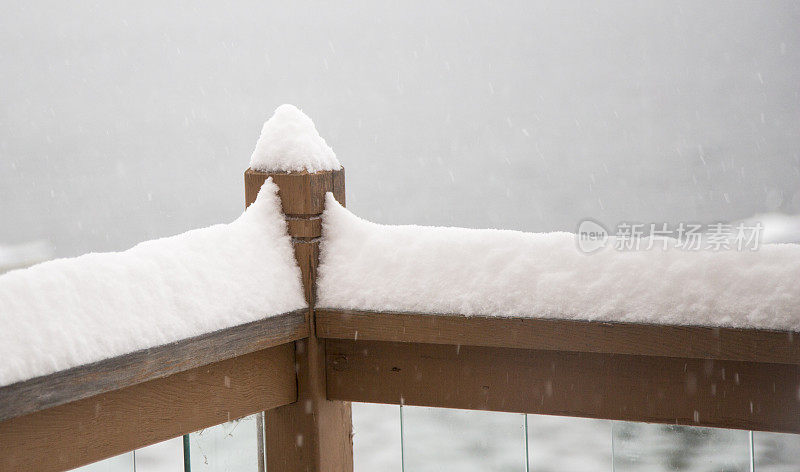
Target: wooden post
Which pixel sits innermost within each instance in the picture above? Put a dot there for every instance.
(312, 434)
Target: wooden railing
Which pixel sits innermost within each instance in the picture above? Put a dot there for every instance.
(89, 413)
(719, 377)
(302, 369)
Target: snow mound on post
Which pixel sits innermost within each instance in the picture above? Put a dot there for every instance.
(372, 267)
(69, 312)
(290, 142)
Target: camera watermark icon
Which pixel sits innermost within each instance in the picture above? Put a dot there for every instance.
(593, 236)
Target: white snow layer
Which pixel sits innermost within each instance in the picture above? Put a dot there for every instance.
(290, 142)
(69, 312)
(373, 267)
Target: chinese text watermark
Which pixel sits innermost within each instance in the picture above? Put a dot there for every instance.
(628, 236)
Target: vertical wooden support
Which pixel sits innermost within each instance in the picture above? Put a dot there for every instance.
(312, 434)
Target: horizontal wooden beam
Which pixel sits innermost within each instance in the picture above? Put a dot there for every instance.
(563, 335)
(105, 425)
(696, 392)
(119, 372)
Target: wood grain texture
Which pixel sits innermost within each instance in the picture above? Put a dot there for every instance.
(301, 193)
(696, 392)
(313, 434)
(563, 335)
(119, 372)
(104, 425)
(300, 227)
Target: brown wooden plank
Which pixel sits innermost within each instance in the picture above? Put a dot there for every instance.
(302, 194)
(696, 392)
(305, 227)
(313, 434)
(119, 372)
(102, 426)
(563, 335)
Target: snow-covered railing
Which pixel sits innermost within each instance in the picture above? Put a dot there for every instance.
(474, 319)
(106, 353)
(516, 322)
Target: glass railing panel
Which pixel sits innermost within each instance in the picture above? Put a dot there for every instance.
(231, 446)
(120, 463)
(376, 438)
(166, 456)
(776, 452)
(642, 447)
(443, 440)
(560, 443)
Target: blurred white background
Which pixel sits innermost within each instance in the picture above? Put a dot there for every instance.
(126, 121)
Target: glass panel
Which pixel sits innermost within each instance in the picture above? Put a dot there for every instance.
(437, 439)
(560, 443)
(775, 452)
(166, 456)
(120, 463)
(231, 446)
(376, 440)
(644, 447)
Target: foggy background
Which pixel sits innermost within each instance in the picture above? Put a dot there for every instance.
(121, 122)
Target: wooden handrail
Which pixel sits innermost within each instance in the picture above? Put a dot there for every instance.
(696, 342)
(101, 426)
(670, 390)
(88, 413)
(727, 378)
(116, 373)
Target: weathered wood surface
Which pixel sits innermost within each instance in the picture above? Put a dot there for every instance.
(105, 425)
(696, 392)
(302, 194)
(313, 434)
(563, 335)
(305, 227)
(119, 372)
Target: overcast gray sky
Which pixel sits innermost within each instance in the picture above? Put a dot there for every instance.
(123, 121)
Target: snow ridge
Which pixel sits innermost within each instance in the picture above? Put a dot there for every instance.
(368, 266)
(69, 312)
(289, 142)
